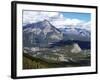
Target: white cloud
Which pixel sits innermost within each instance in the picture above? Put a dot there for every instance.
(67, 22)
(87, 25)
(57, 19)
(32, 16)
(73, 21)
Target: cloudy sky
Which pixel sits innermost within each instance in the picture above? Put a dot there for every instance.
(58, 19)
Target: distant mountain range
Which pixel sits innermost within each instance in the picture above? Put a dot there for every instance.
(44, 34)
(76, 34)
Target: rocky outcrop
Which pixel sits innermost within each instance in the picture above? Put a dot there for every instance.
(76, 48)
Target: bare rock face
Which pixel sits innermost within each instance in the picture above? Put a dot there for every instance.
(76, 48)
(40, 34)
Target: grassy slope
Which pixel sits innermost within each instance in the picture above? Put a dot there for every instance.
(30, 62)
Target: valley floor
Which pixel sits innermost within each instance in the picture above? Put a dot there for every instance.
(56, 57)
